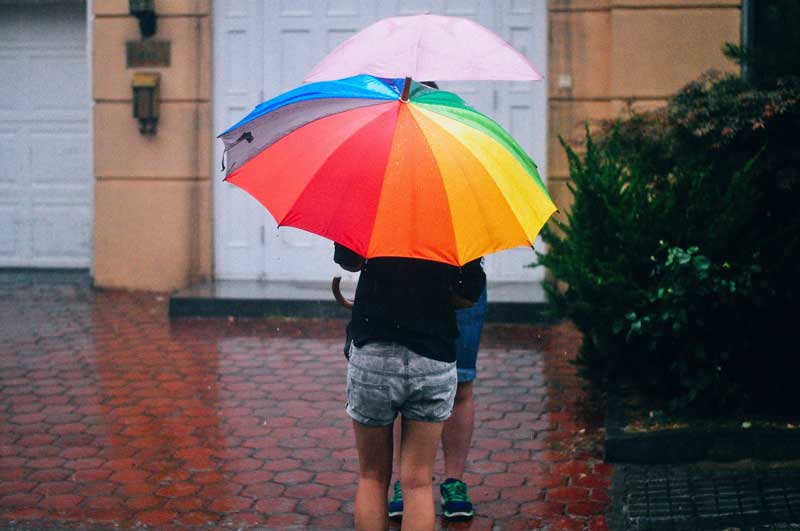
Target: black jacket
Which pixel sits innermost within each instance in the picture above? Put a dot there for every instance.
(408, 301)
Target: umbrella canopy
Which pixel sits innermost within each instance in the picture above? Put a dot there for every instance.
(426, 47)
(426, 178)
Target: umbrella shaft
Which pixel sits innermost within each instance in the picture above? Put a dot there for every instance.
(406, 89)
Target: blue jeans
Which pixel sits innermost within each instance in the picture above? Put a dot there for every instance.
(470, 325)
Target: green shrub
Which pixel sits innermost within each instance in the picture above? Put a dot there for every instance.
(681, 251)
(690, 297)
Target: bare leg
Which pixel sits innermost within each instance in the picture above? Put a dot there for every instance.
(375, 465)
(418, 448)
(457, 432)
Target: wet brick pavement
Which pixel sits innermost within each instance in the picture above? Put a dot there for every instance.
(111, 416)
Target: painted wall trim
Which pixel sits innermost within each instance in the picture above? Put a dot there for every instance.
(90, 84)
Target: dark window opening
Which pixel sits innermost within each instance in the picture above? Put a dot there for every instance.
(770, 40)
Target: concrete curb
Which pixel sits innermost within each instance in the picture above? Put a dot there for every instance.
(684, 445)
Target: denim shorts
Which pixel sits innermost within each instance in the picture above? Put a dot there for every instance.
(384, 379)
(470, 325)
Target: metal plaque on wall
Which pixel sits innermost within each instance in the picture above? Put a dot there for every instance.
(147, 53)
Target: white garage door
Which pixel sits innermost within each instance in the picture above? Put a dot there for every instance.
(45, 172)
(263, 48)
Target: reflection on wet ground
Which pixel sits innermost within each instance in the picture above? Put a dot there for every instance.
(111, 415)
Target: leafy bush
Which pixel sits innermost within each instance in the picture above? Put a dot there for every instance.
(688, 296)
(681, 252)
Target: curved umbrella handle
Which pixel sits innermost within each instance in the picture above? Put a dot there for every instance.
(337, 293)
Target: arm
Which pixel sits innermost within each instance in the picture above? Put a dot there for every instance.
(349, 260)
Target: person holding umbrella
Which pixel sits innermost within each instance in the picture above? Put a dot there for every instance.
(401, 349)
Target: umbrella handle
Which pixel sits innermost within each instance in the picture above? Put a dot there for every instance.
(337, 293)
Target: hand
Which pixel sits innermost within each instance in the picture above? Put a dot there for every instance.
(354, 268)
(347, 258)
(459, 303)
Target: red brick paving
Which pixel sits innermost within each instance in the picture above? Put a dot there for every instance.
(110, 414)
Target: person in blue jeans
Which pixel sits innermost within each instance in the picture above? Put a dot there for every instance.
(457, 433)
(458, 429)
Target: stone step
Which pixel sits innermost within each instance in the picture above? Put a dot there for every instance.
(509, 302)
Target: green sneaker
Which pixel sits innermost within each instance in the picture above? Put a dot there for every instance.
(396, 503)
(455, 500)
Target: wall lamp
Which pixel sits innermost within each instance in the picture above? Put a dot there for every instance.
(145, 11)
(146, 101)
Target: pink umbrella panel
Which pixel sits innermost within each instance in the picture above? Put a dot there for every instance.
(426, 47)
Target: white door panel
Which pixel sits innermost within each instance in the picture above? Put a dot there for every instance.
(238, 62)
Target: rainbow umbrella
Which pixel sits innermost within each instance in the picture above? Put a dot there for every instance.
(427, 177)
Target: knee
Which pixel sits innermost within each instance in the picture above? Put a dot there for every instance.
(381, 477)
(415, 479)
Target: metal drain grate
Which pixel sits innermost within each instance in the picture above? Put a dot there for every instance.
(704, 497)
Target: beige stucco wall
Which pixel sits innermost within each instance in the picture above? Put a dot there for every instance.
(623, 53)
(152, 193)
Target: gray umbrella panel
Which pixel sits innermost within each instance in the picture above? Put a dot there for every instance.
(248, 140)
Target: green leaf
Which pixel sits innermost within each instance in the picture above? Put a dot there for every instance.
(701, 263)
